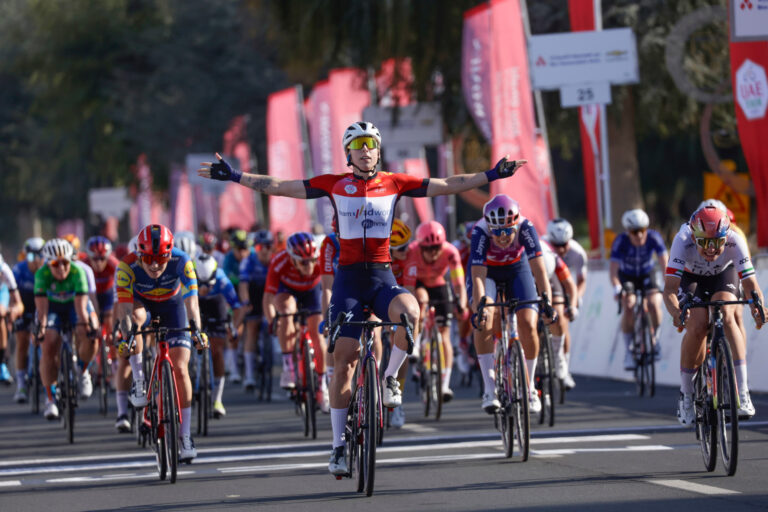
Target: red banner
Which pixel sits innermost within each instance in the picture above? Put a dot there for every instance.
(582, 15)
(749, 67)
(512, 115)
(394, 82)
(236, 205)
(476, 66)
(286, 160)
(317, 108)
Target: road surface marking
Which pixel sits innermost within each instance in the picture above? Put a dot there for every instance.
(693, 487)
(10, 483)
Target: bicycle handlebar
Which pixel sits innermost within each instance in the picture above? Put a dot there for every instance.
(510, 303)
(687, 303)
(345, 319)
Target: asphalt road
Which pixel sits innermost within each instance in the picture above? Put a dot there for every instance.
(608, 450)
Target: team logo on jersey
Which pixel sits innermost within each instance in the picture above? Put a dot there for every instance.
(123, 279)
(189, 270)
(350, 189)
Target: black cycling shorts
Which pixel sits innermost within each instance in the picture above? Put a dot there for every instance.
(704, 287)
(442, 296)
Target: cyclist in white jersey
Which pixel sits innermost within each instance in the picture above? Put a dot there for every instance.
(14, 309)
(709, 260)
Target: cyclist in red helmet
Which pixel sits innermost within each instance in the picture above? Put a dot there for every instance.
(293, 284)
(159, 279)
(98, 250)
(709, 260)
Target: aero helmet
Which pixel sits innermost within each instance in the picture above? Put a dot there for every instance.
(430, 233)
(400, 235)
(205, 267)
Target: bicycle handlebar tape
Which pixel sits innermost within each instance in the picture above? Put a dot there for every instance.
(408, 332)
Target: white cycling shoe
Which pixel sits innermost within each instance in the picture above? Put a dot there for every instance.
(338, 463)
(187, 450)
(746, 409)
(534, 402)
(392, 395)
(51, 411)
(138, 395)
(686, 414)
(490, 403)
(86, 385)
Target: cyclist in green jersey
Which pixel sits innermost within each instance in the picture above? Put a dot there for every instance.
(61, 300)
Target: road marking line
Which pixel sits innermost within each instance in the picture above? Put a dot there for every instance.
(693, 487)
(103, 478)
(10, 483)
(571, 451)
(415, 427)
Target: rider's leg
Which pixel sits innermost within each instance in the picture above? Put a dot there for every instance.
(529, 337)
(22, 357)
(483, 338)
(345, 359)
(692, 350)
(49, 360)
(139, 317)
(219, 371)
(180, 359)
(285, 303)
(403, 303)
(249, 349)
(735, 340)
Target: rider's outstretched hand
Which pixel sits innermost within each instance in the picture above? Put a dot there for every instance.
(220, 171)
(504, 168)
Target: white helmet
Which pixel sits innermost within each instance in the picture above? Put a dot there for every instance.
(33, 245)
(634, 219)
(713, 202)
(58, 248)
(559, 231)
(133, 244)
(360, 129)
(205, 266)
(185, 241)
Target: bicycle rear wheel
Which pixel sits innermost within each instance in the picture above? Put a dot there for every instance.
(706, 421)
(104, 377)
(727, 408)
(522, 422)
(436, 372)
(265, 368)
(370, 429)
(504, 390)
(546, 374)
(649, 360)
(37, 385)
(170, 420)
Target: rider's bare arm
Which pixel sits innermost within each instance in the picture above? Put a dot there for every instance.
(750, 284)
(671, 284)
(479, 273)
(274, 186)
(539, 271)
(460, 183)
(193, 309)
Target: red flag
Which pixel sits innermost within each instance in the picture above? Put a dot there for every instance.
(285, 159)
(582, 15)
(476, 66)
(236, 205)
(512, 118)
(394, 81)
(749, 67)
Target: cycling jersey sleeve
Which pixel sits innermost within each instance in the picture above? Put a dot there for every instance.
(741, 259)
(328, 253)
(617, 248)
(42, 280)
(273, 277)
(529, 239)
(80, 281)
(186, 272)
(677, 257)
(8, 278)
(411, 265)
(411, 186)
(455, 269)
(320, 186)
(125, 278)
(480, 242)
(561, 269)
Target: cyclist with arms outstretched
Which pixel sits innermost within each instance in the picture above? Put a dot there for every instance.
(364, 203)
(709, 260)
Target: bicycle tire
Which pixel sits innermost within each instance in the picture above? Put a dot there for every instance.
(649, 358)
(357, 443)
(68, 379)
(436, 371)
(205, 388)
(310, 380)
(103, 379)
(170, 420)
(522, 421)
(706, 421)
(424, 366)
(37, 385)
(157, 441)
(727, 408)
(504, 391)
(638, 355)
(370, 430)
(546, 378)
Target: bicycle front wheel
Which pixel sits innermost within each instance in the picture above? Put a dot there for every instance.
(504, 418)
(727, 408)
(522, 422)
(37, 386)
(436, 372)
(649, 358)
(170, 420)
(546, 375)
(204, 414)
(706, 421)
(370, 430)
(104, 377)
(310, 403)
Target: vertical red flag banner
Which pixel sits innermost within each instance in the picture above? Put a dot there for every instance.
(236, 205)
(285, 159)
(318, 111)
(582, 16)
(749, 67)
(512, 119)
(476, 66)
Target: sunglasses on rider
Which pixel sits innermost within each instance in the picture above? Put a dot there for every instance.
(706, 243)
(431, 248)
(359, 142)
(60, 263)
(402, 248)
(99, 258)
(503, 231)
(265, 247)
(637, 232)
(160, 259)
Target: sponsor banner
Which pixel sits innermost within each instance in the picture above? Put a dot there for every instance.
(748, 73)
(476, 66)
(318, 111)
(582, 16)
(393, 83)
(597, 344)
(749, 20)
(236, 205)
(285, 159)
(512, 115)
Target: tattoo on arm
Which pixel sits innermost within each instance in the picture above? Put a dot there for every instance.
(257, 182)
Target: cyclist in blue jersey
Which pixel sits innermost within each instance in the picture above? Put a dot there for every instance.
(253, 277)
(216, 295)
(24, 272)
(632, 262)
(160, 280)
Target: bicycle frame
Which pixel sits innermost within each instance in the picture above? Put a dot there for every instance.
(163, 354)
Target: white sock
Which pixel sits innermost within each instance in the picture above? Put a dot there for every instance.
(531, 365)
(486, 367)
(686, 380)
(219, 392)
(627, 339)
(338, 422)
(447, 378)
(136, 367)
(396, 359)
(186, 420)
(249, 356)
(21, 378)
(287, 362)
(557, 344)
(323, 383)
(740, 367)
(122, 403)
(230, 360)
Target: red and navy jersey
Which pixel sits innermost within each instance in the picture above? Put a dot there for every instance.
(282, 270)
(365, 210)
(486, 253)
(178, 281)
(329, 255)
(105, 280)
